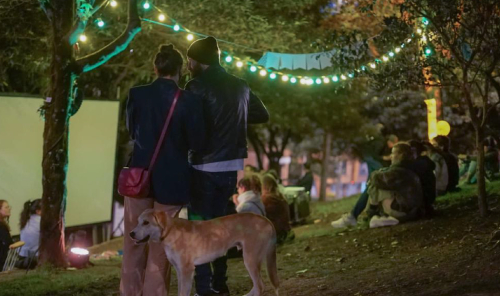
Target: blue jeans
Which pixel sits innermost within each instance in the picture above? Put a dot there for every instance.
(360, 206)
(210, 195)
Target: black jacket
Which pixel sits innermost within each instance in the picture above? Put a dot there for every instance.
(5, 242)
(424, 167)
(147, 109)
(228, 105)
(453, 170)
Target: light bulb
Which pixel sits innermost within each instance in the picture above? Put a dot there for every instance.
(373, 66)
(326, 80)
(419, 31)
(272, 76)
(100, 23)
(391, 54)
(343, 77)
(335, 79)
(285, 78)
(310, 81)
(239, 64)
(229, 59)
(302, 81)
(83, 38)
(424, 39)
(146, 5)
(263, 72)
(253, 68)
(190, 37)
(318, 81)
(397, 50)
(385, 59)
(113, 3)
(161, 17)
(177, 28)
(293, 80)
(408, 40)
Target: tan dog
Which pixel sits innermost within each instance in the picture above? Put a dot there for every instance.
(190, 243)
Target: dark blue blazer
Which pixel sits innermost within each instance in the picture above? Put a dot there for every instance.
(147, 109)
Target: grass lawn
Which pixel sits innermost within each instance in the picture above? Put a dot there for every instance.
(455, 253)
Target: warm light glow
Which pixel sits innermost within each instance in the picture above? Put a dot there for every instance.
(177, 28)
(272, 76)
(100, 23)
(391, 54)
(326, 80)
(190, 37)
(432, 129)
(397, 49)
(318, 81)
(293, 80)
(285, 78)
(239, 64)
(419, 31)
(146, 5)
(113, 3)
(409, 40)
(79, 251)
(343, 77)
(83, 38)
(373, 66)
(263, 72)
(424, 38)
(310, 81)
(385, 59)
(335, 79)
(253, 68)
(161, 17)
(443, 128)
(229, 59)
(302, 81)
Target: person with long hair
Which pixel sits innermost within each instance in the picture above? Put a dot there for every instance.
(277, 209)
(30, 232)
(144, 271)
(5, 238)
(248, 198)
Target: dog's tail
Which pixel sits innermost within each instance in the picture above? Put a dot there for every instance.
(272, 269)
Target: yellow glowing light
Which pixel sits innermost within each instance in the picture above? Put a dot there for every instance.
(161, 17)
(385, 59)
(239, 64)
(190, 37)
(284, 78)
(419, 31)
(373, 66)
(398, 49)
(302, 81)
(263, 72)
(326, 80)
(432, 129)
(443, 128)
(83, 38)
(343, 77)
(424, 38)
(113, 3)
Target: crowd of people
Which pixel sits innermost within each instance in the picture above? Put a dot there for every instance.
(405, 189)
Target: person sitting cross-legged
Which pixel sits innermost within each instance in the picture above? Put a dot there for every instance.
(396, 191)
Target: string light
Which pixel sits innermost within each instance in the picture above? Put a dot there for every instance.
(82, 38)
(318, 81)
(326, 80)
(285, 78)
(310, 81)
(424, 38)
(272, 76)
(263, 72)
(425, 21)
(419, 31)
(146, 5)
(177, 28)
(302, 81)
(397, 50)
(335, 79)
(100, 23)
(408, 40)
(239, 64)
(190, 37)
(391, 54)
(293, 80)
(161, 17)
(373, 66)
(428, 51)
(229, 59)
(385, 59)
(253, 68)
(343, 77)
(113, 3)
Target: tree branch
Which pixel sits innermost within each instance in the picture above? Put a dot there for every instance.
(47, 8)
(101, 56)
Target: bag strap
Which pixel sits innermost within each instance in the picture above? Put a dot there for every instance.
(164, 131)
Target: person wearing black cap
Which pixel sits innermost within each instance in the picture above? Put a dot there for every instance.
(229, 105)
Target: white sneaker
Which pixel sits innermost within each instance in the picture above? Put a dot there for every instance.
(377, 221)
(345, 221)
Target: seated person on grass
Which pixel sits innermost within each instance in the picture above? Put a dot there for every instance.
(491, 164)
(442, 143)
(396, 192)
(424, 167)
(441, 170)
(277, 210)
(248, 198)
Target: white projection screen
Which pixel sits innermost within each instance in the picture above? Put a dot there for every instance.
(92, 146)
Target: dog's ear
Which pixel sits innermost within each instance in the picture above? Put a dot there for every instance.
(161, 219)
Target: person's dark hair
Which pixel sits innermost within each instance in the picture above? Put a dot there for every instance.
(270, 184)
(4, 220)
(443, 142)
(307, 165)
(403, 149)
(251, 182)
(30, 208)
(417, 147)
(168, 61)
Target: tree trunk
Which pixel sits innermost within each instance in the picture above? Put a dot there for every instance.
(327, 141)
(481, 184)
(55, 144)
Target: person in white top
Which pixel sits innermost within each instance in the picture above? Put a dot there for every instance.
(248, 199)
(30, 232)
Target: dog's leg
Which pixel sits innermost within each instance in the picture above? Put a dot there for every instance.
(185, 275)
(253, 264)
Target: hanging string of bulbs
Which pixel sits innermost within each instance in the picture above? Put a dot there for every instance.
(254, 67)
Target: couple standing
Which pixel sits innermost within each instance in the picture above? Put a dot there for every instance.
(204, 148)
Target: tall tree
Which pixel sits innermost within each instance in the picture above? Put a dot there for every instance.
(66, 27)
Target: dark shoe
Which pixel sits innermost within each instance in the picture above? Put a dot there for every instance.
(221, 292)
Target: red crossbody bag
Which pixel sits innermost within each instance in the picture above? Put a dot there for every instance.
(135, 182)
